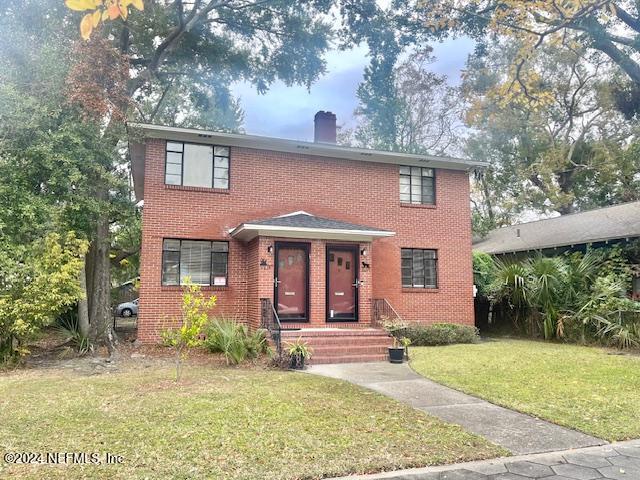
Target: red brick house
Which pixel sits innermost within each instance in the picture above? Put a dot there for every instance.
(317, 238)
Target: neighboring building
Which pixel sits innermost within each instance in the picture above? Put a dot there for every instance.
(331, 236)
(616, 224)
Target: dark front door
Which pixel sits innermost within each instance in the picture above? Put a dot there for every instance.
(342, 283)
(292, 281)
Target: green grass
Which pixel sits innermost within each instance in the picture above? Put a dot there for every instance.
(579, 387)
(220, 423)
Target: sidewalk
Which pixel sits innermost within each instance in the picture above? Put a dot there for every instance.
(519, 433)
(618, 461)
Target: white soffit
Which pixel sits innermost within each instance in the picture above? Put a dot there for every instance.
(248, 232)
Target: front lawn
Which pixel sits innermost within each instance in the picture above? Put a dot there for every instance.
(220, 423)
(579, 387)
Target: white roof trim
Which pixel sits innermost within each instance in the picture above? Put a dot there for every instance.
(301, 147)
(292, 214)
(247, 232)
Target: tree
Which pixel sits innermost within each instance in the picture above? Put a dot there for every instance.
(101, 10)
(570, 153)
(609, 27)
(195, 313)
(202, 47)
(141, 67)
(52, 156)
(411, 110)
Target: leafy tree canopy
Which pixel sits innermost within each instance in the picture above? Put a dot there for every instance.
(574, 152)
(608, 27)
(409, 109)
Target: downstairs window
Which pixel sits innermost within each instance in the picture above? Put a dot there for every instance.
(205, 262)
(419, 268)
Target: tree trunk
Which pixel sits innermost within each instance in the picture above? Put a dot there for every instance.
(487, 201)
(89, 267)
(83, 304)
(178, 364)
(100, 312)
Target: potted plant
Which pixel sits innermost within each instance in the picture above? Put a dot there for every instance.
(394, 328)
(299, 351)
(396, 353)
(406, 341)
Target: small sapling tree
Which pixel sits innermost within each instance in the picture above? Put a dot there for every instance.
(195, 313)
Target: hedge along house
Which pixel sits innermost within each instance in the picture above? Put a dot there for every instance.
(577, 232)
(308, 239)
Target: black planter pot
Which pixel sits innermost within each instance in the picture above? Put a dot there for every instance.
(297, 362)
(396, 354)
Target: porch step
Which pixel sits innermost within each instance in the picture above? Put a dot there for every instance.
(349, 359)
(335, 332)
(341, 350)
(341, 341)
(341, 345)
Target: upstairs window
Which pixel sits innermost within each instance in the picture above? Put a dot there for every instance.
(418, 185)
(195, 165)
(203, 261)
(419, 268)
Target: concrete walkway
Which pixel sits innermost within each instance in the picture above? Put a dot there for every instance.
(617, 461)
(519, 433)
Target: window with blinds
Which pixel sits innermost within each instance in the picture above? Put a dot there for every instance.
(419, 268)
(205, 262)
(195, 165)
(417, 185)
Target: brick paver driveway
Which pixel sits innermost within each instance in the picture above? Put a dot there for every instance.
(619, 461)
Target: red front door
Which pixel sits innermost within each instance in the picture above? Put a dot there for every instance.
(342, 283)
(292, 281)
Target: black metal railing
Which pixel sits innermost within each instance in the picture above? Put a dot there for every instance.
(383, 311)
(270, 321)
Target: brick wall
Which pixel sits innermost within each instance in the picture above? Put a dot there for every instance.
(265, 184)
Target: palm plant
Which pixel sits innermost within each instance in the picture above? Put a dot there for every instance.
(581, 271)
(226, 335)
(510, 286)
(547, 277)
(68, 328)
(568, 295)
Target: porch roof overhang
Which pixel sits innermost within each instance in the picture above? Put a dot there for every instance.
(305, 225)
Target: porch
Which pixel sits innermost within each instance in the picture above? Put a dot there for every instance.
(316, 271)
(314, 282)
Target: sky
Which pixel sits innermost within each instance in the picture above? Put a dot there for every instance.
(287, 112)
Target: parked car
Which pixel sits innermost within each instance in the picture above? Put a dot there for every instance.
(127, 309)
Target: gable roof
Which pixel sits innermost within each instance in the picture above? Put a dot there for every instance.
(137, 131)
(305, 225)
(600, 225)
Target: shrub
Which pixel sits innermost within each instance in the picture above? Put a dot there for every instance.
(483, 272)
(575, 297)
(38, 282)
(439, 334)
(234, 340)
